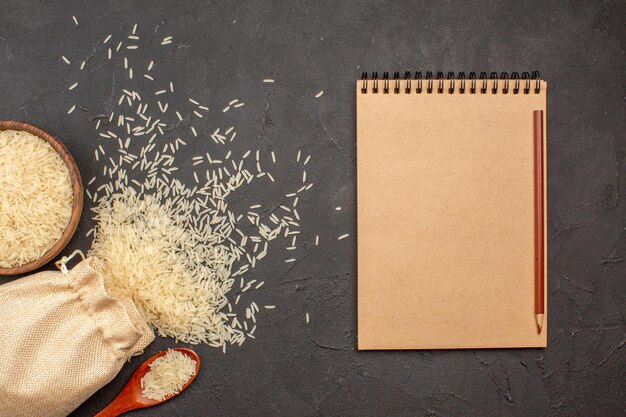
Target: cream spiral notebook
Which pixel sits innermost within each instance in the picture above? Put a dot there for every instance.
(446, 211)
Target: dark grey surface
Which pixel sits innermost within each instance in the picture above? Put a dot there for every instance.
(223, 50)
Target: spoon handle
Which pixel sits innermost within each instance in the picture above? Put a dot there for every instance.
(116, 408)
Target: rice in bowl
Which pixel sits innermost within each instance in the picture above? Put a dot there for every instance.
(35, 197)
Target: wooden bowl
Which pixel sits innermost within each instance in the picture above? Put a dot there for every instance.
(77, 191)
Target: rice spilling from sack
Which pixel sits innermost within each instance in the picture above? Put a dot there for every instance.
(167, 375)
(35, 197)
(176, 228)
(177, 275)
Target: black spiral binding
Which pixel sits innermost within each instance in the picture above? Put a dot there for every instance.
(503, 84)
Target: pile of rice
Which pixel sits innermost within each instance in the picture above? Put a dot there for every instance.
(167, 375)
(35, 197)
(178, 237)
(178, 276)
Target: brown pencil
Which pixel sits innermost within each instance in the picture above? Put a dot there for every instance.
(539, 231)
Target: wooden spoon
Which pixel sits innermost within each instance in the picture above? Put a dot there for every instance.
(131, 397)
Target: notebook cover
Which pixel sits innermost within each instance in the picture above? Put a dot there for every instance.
(445, 187)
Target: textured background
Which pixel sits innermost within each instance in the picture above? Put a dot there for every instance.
(222, 50)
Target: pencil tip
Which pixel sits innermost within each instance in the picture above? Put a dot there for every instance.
(539, 318)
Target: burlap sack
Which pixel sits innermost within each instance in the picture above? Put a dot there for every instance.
(61, 339)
